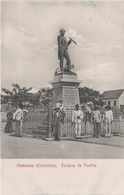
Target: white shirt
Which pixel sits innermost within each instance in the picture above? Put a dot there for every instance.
(109, 115)
(18, 114)
(88, 109)
(76, 114)
(97, 116)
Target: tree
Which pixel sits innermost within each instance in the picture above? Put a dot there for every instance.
(46, 94)
(17, 94)
(86, 95)
(35, 99)
(41, 97)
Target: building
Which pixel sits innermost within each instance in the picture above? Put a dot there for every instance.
(114, 98)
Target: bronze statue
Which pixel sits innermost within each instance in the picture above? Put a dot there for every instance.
(63, 51)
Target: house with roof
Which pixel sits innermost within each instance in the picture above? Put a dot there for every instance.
(114, 98)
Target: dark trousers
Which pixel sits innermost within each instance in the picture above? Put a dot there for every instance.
(57, 133)
(97, 129)
(8, 127)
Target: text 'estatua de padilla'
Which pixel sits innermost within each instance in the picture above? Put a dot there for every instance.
(61, 165)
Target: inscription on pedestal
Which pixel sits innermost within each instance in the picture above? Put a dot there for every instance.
(66, 87)
(71, 96)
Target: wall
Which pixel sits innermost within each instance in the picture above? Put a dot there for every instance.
(112, 102)
(121, 99)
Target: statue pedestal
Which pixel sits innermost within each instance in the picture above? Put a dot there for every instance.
(65, 86)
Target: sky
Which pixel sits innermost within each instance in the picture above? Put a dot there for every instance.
(29, 42)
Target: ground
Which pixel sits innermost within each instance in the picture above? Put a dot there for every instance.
(32, 148)
(27, 147)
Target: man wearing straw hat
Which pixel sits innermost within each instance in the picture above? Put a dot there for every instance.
(57, 119)
(62, 108)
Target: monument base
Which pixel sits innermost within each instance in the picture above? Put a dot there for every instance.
(65, 86)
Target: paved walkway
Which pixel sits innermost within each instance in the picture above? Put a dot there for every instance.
(84, 148)
(13, 147)
(116, 141)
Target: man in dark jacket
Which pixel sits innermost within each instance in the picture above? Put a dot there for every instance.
(57, 119)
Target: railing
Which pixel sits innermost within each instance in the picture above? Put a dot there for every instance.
(39, 120)
(87, 128)
(67, 129)
(36, 120)
(118, 127)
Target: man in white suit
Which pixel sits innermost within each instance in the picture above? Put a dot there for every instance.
(77, 115)
(108, 118)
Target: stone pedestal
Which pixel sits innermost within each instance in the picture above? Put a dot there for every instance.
(65, 86)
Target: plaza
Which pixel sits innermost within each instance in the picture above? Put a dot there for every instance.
(13, 147)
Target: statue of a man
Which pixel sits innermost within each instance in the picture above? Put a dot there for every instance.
(63, 51)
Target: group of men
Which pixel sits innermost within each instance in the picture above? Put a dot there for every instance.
(89, 113)
(106, 117)
(16, 117)
(93, 116)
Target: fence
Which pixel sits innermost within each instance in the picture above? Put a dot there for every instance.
(87, 128)
(118, 127)
(38, 121)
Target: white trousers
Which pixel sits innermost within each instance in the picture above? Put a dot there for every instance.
(108, 127)
(77, 129)
(19, 130)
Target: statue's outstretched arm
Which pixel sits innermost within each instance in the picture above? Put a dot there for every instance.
(69, 42)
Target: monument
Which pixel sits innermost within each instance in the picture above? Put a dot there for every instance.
(65, 84)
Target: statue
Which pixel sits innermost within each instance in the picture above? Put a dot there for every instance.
(63, 51)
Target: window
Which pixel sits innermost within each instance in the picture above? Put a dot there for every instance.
(109, 103)
(114, 102)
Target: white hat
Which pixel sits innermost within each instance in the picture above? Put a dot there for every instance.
(56, 107)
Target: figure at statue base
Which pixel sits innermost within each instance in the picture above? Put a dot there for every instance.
(63, 52)
(65, 70)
